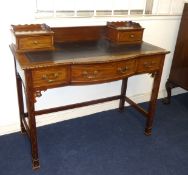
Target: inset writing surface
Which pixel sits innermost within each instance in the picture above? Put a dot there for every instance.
(91, 51)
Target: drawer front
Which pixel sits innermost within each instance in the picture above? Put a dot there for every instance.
(102, 72)
(130, 36)
(126, 68)
(147, 64)
(35, 42)
(47, 77)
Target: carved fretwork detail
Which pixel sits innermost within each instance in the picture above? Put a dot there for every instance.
(154, 74)
(38, 93)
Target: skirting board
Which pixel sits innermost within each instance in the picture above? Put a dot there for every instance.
(83, 111)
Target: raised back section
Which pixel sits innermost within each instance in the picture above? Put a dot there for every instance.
(73, 34)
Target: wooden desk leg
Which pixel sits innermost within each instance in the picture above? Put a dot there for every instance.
(152, 102)
(20, 97)
(123, 93)
(169, 86)
(20, 101)
(30, 100)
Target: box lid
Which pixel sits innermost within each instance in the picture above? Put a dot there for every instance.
(31, 29)
(124, 25)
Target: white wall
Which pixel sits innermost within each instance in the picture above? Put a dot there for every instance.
(161, 31)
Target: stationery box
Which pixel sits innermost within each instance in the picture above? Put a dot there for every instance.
(32, 37)
(124, 32)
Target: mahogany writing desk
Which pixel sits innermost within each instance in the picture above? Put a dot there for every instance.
(76, 62)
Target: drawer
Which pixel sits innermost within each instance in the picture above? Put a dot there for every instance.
(35, 42)
(50, 77)
(151, 63)
(126, 68)
(130, 36)
(102, 72)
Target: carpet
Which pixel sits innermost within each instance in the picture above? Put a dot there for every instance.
(106, 143)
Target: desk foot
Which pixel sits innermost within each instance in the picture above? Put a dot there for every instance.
(166, 100)
(121, 109)
(169, 86)
(23, 131)
(35, 164)
(148, 131)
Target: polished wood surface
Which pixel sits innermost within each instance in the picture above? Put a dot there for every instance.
(73, 34)
(179, 68)
(90, 61)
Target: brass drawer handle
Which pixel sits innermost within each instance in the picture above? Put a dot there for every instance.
(123, 69)
(149, 64)
(90, 75)
(132, 36)
(35, 42)
(50, 78)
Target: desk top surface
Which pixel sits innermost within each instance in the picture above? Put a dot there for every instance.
(85, 53)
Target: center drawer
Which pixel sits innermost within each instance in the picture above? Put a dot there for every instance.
(102, 72)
